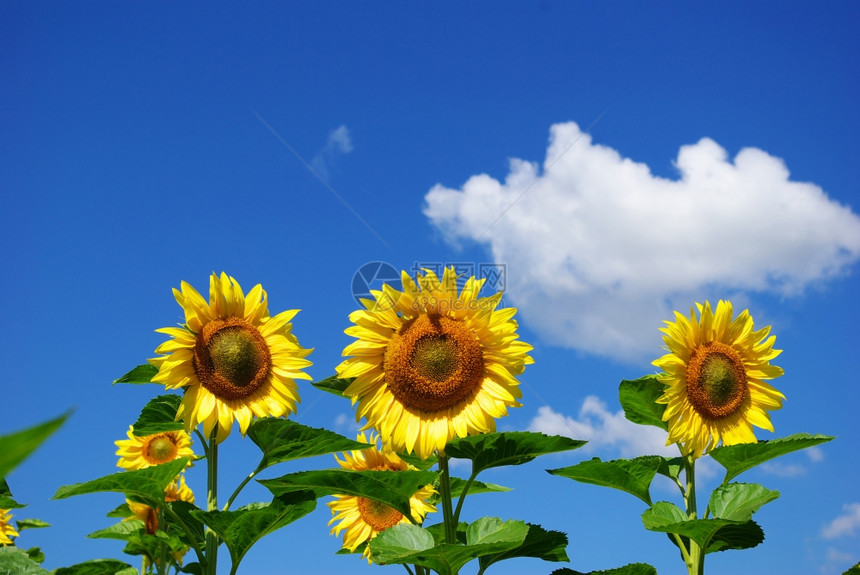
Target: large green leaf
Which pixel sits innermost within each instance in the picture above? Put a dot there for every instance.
(507, 448)
(393, 488)
(630, 569)
(743, 456)
(631, 475)
(98, 567)
(668, 518)
(18, 562)
(411, 544)
(539, 543)
(743, 536)
(241, 528)
(333, 385)
(185, 511)
(15, 447)
(738, 501)
(140, 374)
(158, 416)
(639, 400)
(283, 440)
(147, 484)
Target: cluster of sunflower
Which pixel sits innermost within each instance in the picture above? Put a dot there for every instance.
(431, 369)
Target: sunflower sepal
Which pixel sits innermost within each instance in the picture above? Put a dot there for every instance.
(141, 374)
(638, 398)
(744, 456)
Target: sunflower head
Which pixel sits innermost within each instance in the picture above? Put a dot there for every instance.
(7, 532)
(234, 361)
(714, 377)
(141, 452)
(361, 518)
(433, 362)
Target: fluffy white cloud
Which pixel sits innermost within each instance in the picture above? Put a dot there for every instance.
(605, 431)
(845, 524)
(339, 142)
(599, 250)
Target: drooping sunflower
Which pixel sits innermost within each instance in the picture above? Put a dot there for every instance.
(234, 360)
(141, 452)
(363, 519)
(431, 364)
(175, 491)
(715, 378)
(6, 529)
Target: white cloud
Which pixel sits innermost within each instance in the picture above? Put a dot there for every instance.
(346, 425)
(605, 431)
(339, 141)
(845, 524)
(599, 250)
(814, 454)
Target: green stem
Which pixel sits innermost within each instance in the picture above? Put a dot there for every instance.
(462, 497)
(201, 556)
(696, 559)
(212, 501)
(445, 493)
(242, 485)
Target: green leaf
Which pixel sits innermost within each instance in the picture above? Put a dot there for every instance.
(158, 416)
(393, 488)
(30, 524)
(147, 484)
(631, 475)
(539, 543)
(738, 501)
(18, 562)
(475, 488)
(333, 385)
(671, 467)
(284, 440)
(98, 567)
(242, 528)
(743, 536)
(411, 544)
(186, 511)
(123, 531)
(16, 447)
(743, 456)
(36, 555)
(639, 400)
(140, 374)
(855, 570)
(710, 534)
(415, 461)
(121, 511)
(630, 569)
(489, 450)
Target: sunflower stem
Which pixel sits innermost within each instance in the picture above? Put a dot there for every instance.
(445, 493)
(696, 558)
(463, 497)
(212, 500)
(242, 485)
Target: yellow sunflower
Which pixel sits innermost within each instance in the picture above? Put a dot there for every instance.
(430, 365)
(714, 377)
(234, 361)
(363, 519)
(175, 491)
(141, 452)
(6, 529)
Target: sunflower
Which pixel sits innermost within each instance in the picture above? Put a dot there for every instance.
(175, 491)
(141, 452)
(6, 529)
(714, 377)
(234, 361)
(430, 365)
(362, 518)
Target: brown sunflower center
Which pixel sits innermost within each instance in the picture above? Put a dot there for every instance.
(160, 449)
(378, 515)
(433, 363)
(231, 358)
(716, 380)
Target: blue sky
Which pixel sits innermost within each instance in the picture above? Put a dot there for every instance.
(621, 160)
